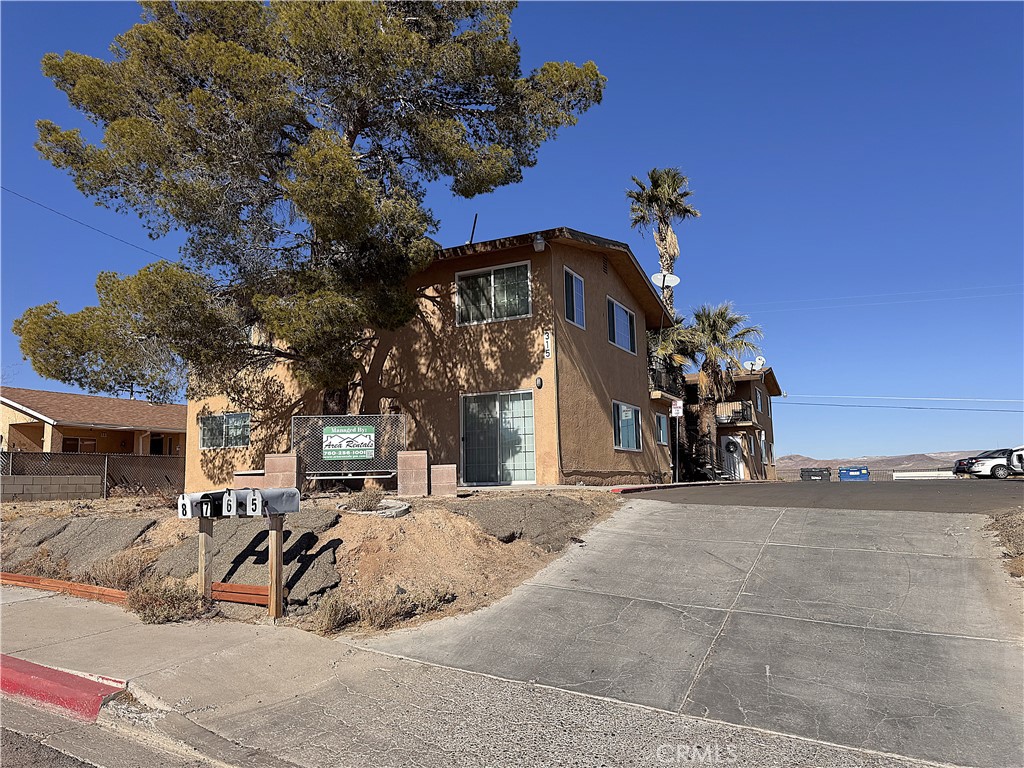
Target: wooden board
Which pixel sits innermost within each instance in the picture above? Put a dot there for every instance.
(251, 594)
(74, 589)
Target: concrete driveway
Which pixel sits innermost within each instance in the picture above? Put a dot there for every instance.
(869, 615)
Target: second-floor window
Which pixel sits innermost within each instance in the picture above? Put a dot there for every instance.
(226, 430)
(574, 311)
(757, 396)
(501, 293)
(621, 326)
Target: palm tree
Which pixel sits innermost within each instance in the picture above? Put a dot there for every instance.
(713, 344)
(655, 206)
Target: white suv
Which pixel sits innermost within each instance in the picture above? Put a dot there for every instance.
(992, 464)
(1016, 461)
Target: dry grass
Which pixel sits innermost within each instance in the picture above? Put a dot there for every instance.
(160, 602)
(126, 570)
(385, 607)
(334, 613)
(43, 565)
(366, 500)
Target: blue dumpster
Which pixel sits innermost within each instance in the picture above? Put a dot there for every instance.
(854, 474)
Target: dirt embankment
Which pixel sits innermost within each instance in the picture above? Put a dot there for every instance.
(448, 555)
(1009, 525)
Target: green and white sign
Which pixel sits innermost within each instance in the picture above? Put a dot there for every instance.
(349, 442)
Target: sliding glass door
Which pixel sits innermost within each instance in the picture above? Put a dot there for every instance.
(498, 439)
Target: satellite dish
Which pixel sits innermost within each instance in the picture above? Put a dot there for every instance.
(749, 365)
(665, 279)
(759, 363)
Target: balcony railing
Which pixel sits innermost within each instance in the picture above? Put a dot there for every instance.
(734, 413)
(663, 379)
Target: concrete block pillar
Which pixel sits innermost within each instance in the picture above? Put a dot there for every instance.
(444, 480)
(412, 473)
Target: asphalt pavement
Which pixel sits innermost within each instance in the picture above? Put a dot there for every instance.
(969, 495)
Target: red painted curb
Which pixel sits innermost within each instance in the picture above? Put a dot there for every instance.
(78, 696)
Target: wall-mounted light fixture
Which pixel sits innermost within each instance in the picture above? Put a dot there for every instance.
(538, 243)
(540, 382)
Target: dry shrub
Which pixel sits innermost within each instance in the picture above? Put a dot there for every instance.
(43, 564)
(386, 607)
(125, 570)
(333, 613)
(366, 500)
(160, 602)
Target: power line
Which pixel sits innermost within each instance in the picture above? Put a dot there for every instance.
(893, 397)
(777, 401)
(885, 303)
(88, 226)
(879, 295)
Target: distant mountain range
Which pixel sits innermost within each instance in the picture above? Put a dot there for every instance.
(942, 459)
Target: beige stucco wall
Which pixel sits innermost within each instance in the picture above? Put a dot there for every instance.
(20, 431)
(424, 369)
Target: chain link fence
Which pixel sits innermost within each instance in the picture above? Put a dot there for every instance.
(344, 446)
(122, 472)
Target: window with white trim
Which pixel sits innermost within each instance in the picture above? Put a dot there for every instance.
(225, 430)
(757, 396)
(768, 398)
(621, 326)
(661, 420)
(626, 425)
(575, 312)
(764, 450)
(501, 293)
(750, 447)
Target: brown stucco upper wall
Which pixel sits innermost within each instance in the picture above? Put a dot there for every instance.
(424, 369)
(592, 373)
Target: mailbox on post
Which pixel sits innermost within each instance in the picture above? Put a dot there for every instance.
(280, 501)
(205, 504)
(243, 502)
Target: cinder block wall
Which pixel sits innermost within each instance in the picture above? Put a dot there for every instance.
(50, 487)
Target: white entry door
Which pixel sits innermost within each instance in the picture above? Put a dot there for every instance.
(498, 439)
(732, 457)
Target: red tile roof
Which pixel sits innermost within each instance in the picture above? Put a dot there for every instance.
(95, 411)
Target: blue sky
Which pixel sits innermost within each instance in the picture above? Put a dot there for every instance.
(868, 150)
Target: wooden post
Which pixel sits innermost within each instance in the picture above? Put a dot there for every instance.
(206, 557)
(275, 541)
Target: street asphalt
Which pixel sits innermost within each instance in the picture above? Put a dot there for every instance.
(874, 615)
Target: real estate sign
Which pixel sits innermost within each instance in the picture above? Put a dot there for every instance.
(349, 442)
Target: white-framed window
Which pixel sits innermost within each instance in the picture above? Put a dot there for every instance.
(750, 447)
(496, 293)
(621, 326)
(769, 404)
(626, 425)
(764, 450)
(575, 311)
(225, 430)
(661, 421)
(757, 397)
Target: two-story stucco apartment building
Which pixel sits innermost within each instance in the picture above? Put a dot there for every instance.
(527, 363)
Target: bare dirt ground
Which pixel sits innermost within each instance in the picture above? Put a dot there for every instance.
(1009, 525)
(466, 552)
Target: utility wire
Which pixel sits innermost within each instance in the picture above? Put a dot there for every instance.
(759, 312)
(777, 401)
(88, 226)
(880, 295)
(893, 397)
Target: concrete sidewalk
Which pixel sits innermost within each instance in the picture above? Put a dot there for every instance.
(250, 695)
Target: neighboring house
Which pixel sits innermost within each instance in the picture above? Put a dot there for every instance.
(526, 364)
(746, 437)
(60, 422)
